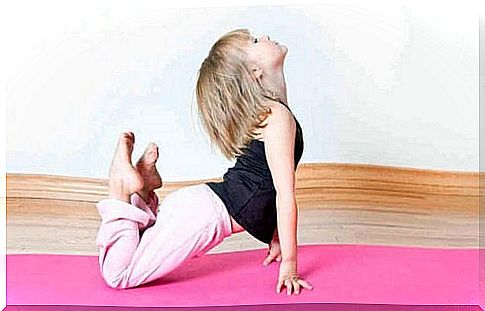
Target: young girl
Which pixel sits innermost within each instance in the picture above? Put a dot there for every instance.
(241, 98)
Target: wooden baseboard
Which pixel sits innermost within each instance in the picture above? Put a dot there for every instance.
(316, 184)
(337, 203)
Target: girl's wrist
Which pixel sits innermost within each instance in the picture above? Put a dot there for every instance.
(289, 260)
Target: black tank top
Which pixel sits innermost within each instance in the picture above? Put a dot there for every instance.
(247, 189)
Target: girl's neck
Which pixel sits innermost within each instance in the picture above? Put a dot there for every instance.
(276, 82)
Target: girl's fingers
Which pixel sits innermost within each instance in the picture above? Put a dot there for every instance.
(293, 286)
(305, 284)
(296, 285)
(288, 284)
(268, 260)
(278, 287)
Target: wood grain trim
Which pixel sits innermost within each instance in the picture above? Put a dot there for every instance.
(316, 183)
(68, 188)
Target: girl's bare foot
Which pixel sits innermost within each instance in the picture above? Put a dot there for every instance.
(123, 177)
(148, 170)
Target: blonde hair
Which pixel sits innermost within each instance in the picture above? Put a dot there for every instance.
(230, 100)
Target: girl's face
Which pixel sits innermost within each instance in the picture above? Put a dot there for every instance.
(265, 55)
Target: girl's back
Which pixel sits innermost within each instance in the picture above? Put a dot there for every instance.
(248, 190)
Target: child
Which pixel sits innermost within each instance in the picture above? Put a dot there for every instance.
(241, 96)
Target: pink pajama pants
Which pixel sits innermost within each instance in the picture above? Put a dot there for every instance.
(140, 242)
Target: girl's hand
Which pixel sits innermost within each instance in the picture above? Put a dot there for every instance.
(289, 277)
(274, 252)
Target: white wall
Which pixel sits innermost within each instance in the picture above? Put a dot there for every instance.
(392, 85)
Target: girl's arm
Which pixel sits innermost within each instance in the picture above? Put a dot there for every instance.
(279, 149)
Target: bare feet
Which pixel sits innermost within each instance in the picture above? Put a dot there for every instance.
(123, 177)
(148, 170)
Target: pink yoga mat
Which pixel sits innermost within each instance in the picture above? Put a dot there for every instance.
(339, 274)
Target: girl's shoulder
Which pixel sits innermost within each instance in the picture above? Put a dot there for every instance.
(277, 119)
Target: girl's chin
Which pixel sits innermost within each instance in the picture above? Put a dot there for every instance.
(284, 52)
(284, 48)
